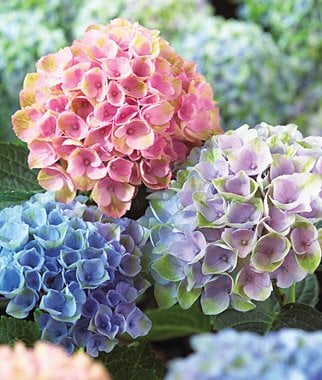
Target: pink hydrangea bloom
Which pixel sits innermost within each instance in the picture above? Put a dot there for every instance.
(118, 105)
(47, 362)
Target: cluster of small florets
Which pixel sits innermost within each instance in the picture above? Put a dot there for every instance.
(49, 362)
(287, 354)
(80, 275)
(112, 111)
(238, 219)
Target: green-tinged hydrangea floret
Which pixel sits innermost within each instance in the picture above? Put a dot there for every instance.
(251, 76)
(230, 355)
(239, 218)
(78, 270)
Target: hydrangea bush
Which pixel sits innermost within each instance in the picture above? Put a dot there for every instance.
(295, 24)
(78, 271)
(287, 354)
(296, 27)
(111, 112)
(170, 16)
(238, 219)
(251, 75)
(46, 361)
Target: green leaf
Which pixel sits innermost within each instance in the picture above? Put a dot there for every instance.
(17, 181)
(259, 320)
(298, 316)
(12, 330)
(133, 362)
(268, 315)
(176, 322)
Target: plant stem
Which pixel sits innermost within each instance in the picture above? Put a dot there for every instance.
(292, 293)
(280, 294)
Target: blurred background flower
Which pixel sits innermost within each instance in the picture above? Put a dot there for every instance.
(22, 363)
(286, 354)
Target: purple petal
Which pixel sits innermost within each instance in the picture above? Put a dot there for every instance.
(212, 207)
(241, 239)
(238, 184)
(218, 259)
(303, 237)
(281, 165)
(269, 252)
(254, 285)
(216, 294)
(138, 324)
(289, 272)
(245, 214)
(279, 220)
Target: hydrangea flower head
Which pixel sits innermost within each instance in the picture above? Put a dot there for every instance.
(252, 76)
(240, 216)
(46, 361)
(286, 354)
(78, 271)
(114, 110)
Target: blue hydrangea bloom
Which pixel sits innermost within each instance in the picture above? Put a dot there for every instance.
(285, 355)
(78, 270)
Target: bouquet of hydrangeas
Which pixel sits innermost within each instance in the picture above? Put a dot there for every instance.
(231, 218)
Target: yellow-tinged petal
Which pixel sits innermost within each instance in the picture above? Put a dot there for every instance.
(24, 123)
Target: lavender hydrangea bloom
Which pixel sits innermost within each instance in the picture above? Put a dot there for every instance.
(79, 271)
(287, 354)
(239, 217)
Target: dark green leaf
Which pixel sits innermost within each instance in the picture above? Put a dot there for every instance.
(176, 322)
(12, 329)
(259, 320)
(298, 316)
(17, 181)
(268, 314)
(134, 362)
